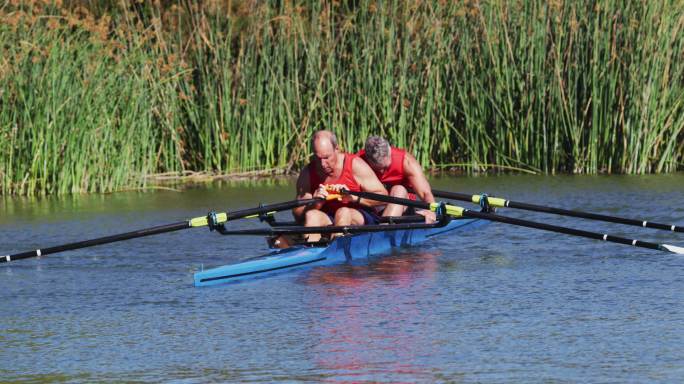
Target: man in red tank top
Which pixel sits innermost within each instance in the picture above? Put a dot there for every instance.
(331, 167)
(399, 171)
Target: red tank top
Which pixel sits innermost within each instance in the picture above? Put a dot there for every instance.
(346, 177)
(394, 175)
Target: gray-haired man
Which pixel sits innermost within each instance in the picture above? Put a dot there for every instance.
(399, 171)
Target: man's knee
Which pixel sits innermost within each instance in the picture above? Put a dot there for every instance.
(315, 217)
(399, 191)
(342, 213)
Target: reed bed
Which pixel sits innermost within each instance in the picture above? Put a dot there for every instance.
(98, 96)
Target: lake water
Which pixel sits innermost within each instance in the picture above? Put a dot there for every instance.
(500, 304)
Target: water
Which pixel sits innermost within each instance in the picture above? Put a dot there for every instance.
(503, 304)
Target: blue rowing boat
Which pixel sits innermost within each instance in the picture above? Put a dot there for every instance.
(342, 249)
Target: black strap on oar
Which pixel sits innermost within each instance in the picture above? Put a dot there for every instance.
(559, 211)
(458, 211)
(484, 204)
(210, 220)
(267, 217)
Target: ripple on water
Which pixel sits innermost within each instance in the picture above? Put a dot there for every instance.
(500, 304)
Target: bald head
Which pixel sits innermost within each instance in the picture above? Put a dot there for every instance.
(325, 151)
(323, 140)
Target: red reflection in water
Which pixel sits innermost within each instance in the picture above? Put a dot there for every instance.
(373, 323)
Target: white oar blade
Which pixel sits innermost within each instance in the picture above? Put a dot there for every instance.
(673, 249)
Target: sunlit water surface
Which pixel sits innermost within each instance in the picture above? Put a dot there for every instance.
(499, 304)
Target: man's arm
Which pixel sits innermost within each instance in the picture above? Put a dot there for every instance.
(368, 181)
(303, 192)
(414, 174)
(416, 177)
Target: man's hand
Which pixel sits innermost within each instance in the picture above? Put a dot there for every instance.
(321, 192)
(336, 189)
(430, 216)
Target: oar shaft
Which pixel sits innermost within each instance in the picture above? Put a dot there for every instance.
(269, 208)
(499, 202)
(98, 241)
(389, 199)
(203, 221)
(383, 219)
(195, 222)
(564, 230)
(462, 212)
(331, 229)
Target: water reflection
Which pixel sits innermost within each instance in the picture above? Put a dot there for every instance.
(373, 321)
(399, 267)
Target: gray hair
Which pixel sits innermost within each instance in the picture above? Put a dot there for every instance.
(377, 150)
(323, 133)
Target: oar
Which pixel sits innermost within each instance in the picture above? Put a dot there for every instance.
(456, 211)
(195, 222)
(503, 203)
(345, 229)
(383, 219)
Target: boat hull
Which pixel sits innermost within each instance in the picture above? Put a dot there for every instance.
(341, 250)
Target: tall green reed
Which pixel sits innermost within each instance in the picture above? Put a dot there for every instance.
(98, 96)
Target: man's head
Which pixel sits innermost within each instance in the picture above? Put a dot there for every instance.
(378, 153)
(325, 150)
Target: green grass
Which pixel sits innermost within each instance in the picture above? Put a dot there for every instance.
(98, 98)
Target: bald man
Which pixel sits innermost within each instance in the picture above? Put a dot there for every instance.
(331, 167)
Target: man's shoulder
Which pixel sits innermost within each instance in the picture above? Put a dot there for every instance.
(355, 159)
(409, 157)
(359, 165)
(411, 164)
